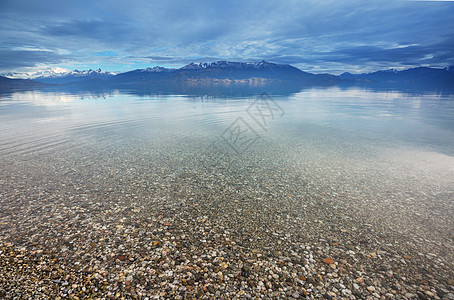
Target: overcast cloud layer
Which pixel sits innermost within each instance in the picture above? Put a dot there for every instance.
(332, 36)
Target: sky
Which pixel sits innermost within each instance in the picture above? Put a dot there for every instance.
(315, 36)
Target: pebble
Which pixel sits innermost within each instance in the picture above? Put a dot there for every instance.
(150, 226)
(328, 260)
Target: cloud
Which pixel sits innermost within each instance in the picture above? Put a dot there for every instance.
(304, 33)
(11, 59)
(87, 29)
(403, 55)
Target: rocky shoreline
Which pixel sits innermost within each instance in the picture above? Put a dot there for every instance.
(93, 227)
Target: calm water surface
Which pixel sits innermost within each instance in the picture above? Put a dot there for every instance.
(36, 121)
(329, 163)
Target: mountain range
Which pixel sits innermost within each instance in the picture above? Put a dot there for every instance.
(223, 72)
(228, 73)
(19, 83)
(422, 75)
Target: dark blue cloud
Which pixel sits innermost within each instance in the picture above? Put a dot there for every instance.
(108, 32)
(12, 59)
(436, 54)
(314, 35)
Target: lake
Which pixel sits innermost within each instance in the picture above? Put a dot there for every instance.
(326, 191)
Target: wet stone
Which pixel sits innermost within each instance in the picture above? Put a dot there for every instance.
(156, 220)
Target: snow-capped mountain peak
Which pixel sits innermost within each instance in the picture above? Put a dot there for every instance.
(82, 73)
(47, 72)
(195, 65)
(56, 72)
(156, 69)
(226, 64)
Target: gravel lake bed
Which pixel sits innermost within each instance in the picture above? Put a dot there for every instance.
(123, 199)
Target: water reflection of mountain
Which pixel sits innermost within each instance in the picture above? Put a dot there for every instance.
(403, 87)
(220, 89)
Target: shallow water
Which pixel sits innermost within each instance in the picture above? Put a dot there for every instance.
(39, 120)
(368, 169)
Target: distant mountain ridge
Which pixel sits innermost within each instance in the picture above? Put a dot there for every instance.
(227, 72)
(420, 75)
(58, 73)
(18, 83)
(74, 76)
(224, 72)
